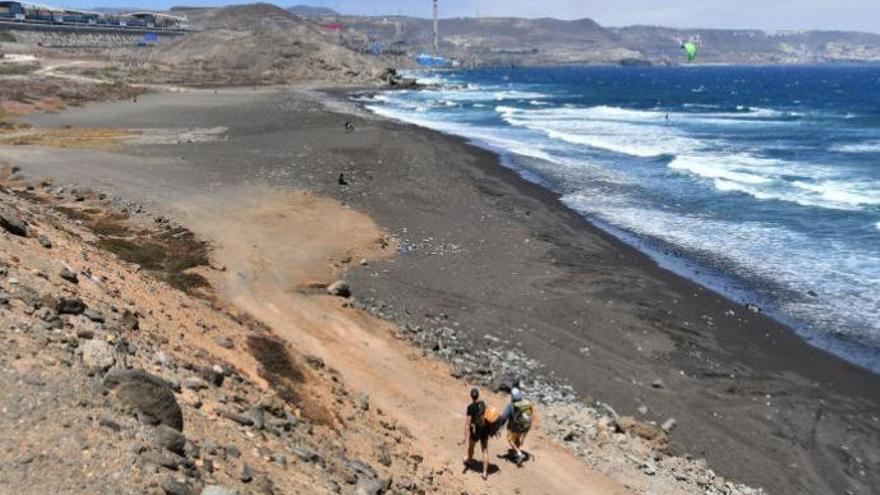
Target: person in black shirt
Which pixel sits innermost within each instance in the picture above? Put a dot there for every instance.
(476, 430)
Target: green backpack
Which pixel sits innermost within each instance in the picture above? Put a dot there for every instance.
(523, 411)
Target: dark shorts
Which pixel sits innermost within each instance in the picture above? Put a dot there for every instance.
(481, 436)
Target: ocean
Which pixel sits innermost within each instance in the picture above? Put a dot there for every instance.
(762, 183)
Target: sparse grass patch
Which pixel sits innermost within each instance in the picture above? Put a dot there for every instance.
(91, 138)
(17, 69)
(278, 367)
(166, 253)
(148, 255)
(280, 370)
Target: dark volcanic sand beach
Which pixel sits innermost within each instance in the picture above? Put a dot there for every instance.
(511, 261)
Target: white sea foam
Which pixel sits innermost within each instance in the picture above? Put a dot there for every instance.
(841, 192)
(756, 249)
(866, 147)
(768, 179)
(488, 136)
(609, 128)
(710, 167)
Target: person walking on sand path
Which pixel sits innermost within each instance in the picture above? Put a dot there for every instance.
(476, 430)
(520, 415)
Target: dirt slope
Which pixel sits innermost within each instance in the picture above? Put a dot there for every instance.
(259, 44)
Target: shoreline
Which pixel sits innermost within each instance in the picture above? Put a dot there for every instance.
(690, 266)
(496, 255)
(652, 253)
(788, 350)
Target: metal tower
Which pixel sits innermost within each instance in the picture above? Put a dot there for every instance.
(436, 36)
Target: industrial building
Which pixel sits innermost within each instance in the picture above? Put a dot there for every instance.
(33, 14)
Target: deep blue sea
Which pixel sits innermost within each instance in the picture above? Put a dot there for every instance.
(760, 182)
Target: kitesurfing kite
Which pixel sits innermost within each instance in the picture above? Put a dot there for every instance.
(691, 47)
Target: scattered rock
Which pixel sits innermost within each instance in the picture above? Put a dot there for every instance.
(669, 425)
(148, 395)
(218, 490)
(363, 469)
(94, 316)
(653, 434)
(340, 288)
(658, 383)
(163, 459)
(173, 487)
(193, 383)
(97, 356)
(67, 274)
(70, 306)
(45, 242)
(109, 423)
(224, 342)
(363, 402)
(307, 454)
(247, 474)
(369, 487)
(238, 418)
(129, 322)
(170, 439)
(212, 375)
(12, 223)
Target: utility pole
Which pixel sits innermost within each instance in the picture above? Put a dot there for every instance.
(436, 39)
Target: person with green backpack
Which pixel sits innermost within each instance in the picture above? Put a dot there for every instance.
(519, 415)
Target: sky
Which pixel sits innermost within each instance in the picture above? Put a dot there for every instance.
(861, 15)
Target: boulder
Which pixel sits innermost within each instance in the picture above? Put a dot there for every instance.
(97, 355)
(146, 394)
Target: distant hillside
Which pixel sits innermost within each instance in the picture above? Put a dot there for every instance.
(499, 41)
(309, 11)
(517, 41)
(754, 46)
(259, 44)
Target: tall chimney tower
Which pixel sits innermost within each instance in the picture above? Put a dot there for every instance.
(436, 38)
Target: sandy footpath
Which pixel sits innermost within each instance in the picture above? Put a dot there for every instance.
(496, 256)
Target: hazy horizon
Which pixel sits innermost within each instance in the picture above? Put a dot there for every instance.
(848, 15)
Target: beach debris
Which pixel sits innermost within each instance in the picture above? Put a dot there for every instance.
(341, 180)
(754, 308)
(349, 127)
